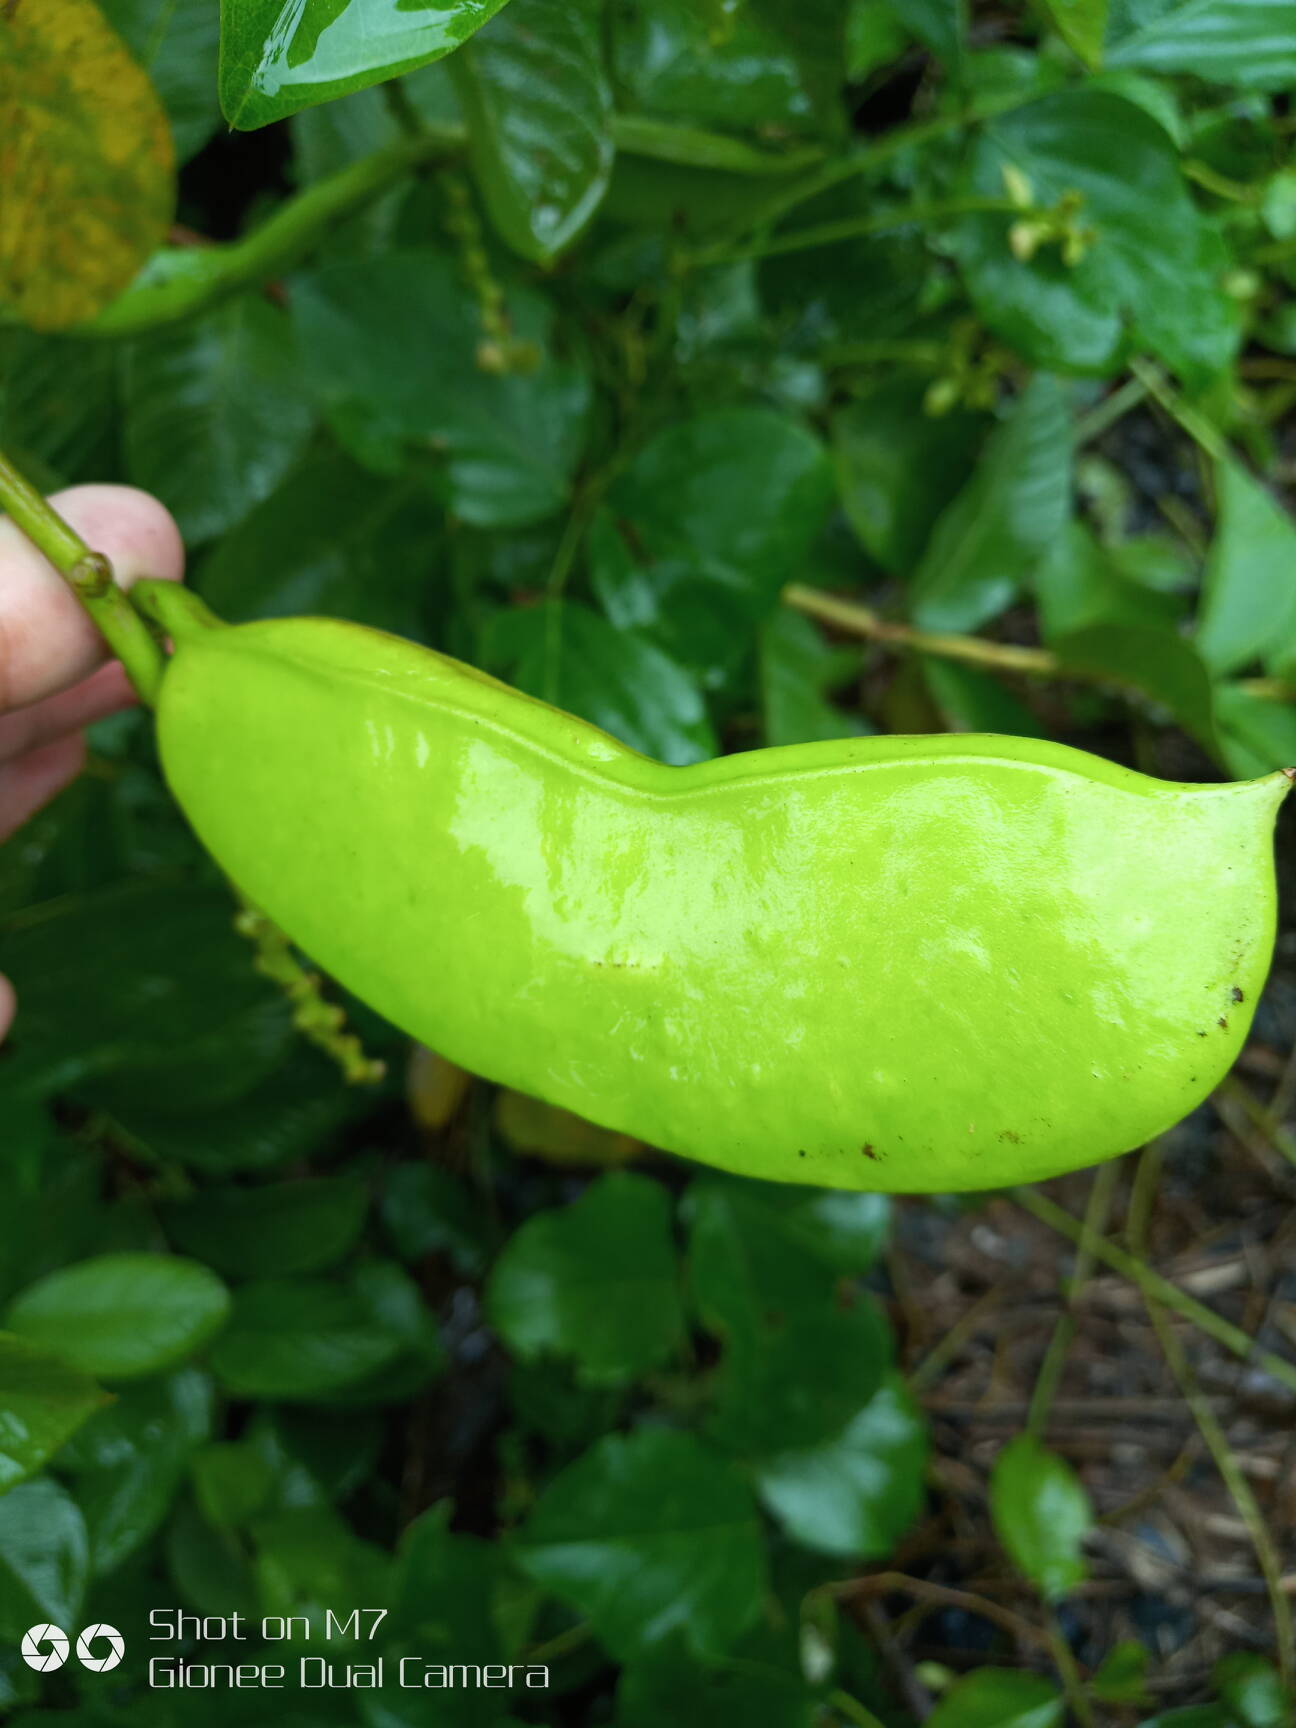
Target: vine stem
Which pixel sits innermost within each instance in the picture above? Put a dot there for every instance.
(864, 621)
(1151, 1283)
(90, 577)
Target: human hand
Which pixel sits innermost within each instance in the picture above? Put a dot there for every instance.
(53, 682)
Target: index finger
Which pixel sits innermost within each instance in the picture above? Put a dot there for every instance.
(46, 641)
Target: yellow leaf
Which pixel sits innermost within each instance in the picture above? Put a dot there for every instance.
(544, 1131)
(87, 169)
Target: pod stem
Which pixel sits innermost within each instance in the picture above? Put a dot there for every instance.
(90, 577)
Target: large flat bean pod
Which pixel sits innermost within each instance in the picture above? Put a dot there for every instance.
(926, 963)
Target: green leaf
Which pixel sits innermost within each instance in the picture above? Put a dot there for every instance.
(130, 1459)
(44, 1559)
(1152, 266)
(1119, 1677)
(89, 166)
(798, 669)
(217, 412)
(898, 468)
(648, 1536)
(971, 700)
(42, 1404)
(277, 58)
(142, 993)
(705, 527)
(122, 1316)
(332, 539)
(941, 25)
(572, 657)
(1252, 1689)
(1041, 1514)
(1153, 659)
(747, 1261)
(1248, 607)
(176, 41)
(58, 402)
(596, 1281)
(391, 344)
(1082, 25)
(989, 540)
(875, 36)
(999, 1698)
(856, 1494)
(275, 1229)
(1080, 584)
(756, 71)
(539, 109)
(672, 1691)
(299, 1338)
(1256, 735)
(792, 1381)
(294, 1112)
(426, 1211)
(1251, 43)
(232, 1482)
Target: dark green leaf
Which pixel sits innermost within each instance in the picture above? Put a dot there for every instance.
(875, 36)
(299, 1338)
(1152, 659)
(971, 700)
(939, 24)
(706, 526)
(130, 1460)
(144, 994)
(798, 670)
(857, 1494)
(1248, 608)
(1041, 1514)
(1119, 1677)
(332, 539)
(794, 1381)
(539, 108)
(565, 654)
(58, 402)
(1151, 264)
(897, 469)
(999, 1698)
(650, 1535)
(44, 1559)
(272, 1230)
(747, 1261)
(676, 1692)
(121, 1316)
(392, 346)
(1247, 42)
(596, 1282)
(1256, 735)
(216, 413)
(753, 71)
(232, 1482)
(42, 1404)
(426, 1211)
(989, 540)
(274, 60)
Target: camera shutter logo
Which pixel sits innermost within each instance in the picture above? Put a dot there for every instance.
(116, 1647)
(44, 1661)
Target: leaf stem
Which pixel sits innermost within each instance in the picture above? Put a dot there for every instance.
(180, 282)
(853, 228)
(864, 621)
(90, 577)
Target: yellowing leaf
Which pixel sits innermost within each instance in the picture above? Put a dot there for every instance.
(543, 1131)
(87, 169)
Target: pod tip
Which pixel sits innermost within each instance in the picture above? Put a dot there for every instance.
(1288, 773)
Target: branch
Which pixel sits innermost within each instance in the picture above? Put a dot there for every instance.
(90, 577)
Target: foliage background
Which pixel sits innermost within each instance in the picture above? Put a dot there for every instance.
(729, 374)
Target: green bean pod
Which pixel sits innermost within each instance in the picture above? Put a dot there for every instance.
(902, 963)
